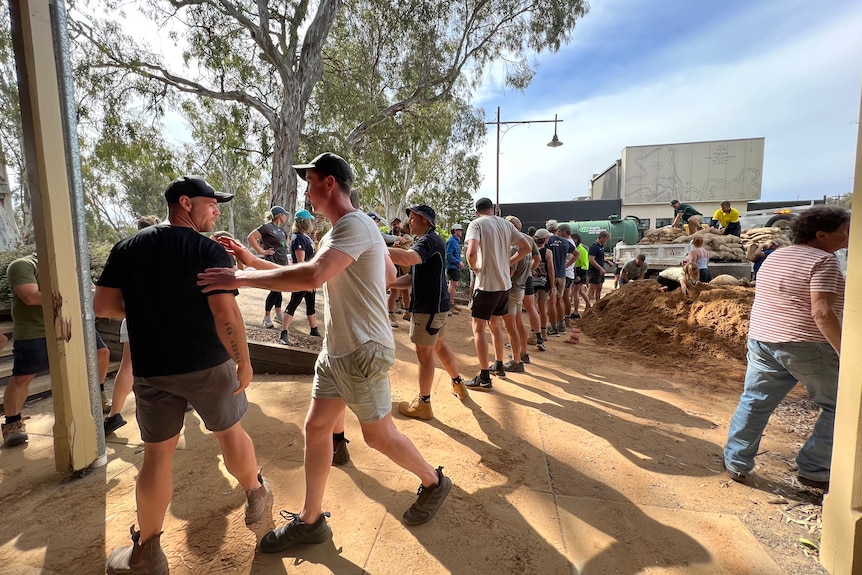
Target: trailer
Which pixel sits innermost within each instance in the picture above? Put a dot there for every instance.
(662, 256)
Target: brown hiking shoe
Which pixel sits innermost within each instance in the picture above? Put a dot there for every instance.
(531, 339)
(417, 409)
(15, 433)
(340, 455)
(139, 559)
(256, 500)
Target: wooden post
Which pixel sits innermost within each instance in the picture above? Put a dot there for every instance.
(75, 445)
(841, 544)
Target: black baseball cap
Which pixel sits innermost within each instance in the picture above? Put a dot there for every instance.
(193, 187)
(328, 164)
(425, 211)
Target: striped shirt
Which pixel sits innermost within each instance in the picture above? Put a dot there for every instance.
(782, 300)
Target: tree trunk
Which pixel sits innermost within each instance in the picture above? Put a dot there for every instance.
(285, 152)
(9, 234)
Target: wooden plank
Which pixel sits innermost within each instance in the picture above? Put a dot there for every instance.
(41, 385)
(6, 328)
(281, 359)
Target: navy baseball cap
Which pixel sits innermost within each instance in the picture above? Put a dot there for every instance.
(193, 187)
(328, 164)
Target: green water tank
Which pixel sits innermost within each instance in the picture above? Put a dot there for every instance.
(628, 230)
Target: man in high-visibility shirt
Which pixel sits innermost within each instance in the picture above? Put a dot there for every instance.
(728, 218)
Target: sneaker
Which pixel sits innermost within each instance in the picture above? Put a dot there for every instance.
(284, 339)
(256, 500)
(454, 310)
(429, 501)
(575, 316)
(14, 433)
(497, 368)
(540, 345)
(480, 384)
(552, 330)
(267, 321)
(340, 455)
(279, 318)
(561, 327)
(106, 403)
(147, 558)
(416, 409)
(113, 423)
(525, 359)
(314, 332)
(813, 483)
(407, 315)
(393, 319)
(531, 339)
(459, 389)
(296, 532)
(514, 367)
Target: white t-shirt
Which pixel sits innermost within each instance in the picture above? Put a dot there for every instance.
(570, 269)
(355, 298)
(496, 236)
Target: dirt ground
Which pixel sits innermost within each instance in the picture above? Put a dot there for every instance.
(605, 457)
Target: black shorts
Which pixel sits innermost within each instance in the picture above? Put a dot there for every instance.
(569, 282)
(595, 277)
(528, 287)
(453, 275)
(704, 275)
(29, 356)
(580, 276)
(489, 303)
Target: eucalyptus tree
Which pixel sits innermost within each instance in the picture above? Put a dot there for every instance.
(11, 148)
(269, 55)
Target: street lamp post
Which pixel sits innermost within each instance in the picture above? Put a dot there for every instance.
(554, 143)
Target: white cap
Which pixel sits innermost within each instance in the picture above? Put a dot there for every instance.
(456, 227)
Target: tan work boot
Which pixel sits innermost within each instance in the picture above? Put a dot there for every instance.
(106, 403)
(14, 433)
(531, 339)
(417, 409)
(139, 559)
(545, 333)
(460, 389)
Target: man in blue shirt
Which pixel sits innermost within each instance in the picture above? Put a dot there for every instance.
(454, 264)
(596, 273)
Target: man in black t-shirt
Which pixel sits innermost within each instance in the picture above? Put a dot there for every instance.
(187, 347)
(429, 303)
(564, 254)
(596, 273)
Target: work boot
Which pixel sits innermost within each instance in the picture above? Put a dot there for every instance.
(296, 532)
(525, 359)
(340, 455)
(417, 409)
(429, 501)
(459, 388)
(531, 339)
(393, 319)
(314, 332)
(139, 558)
(256, 500)
(14, 433)
(106, 403)
(544, 333)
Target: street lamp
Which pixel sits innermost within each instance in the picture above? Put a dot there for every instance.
(554, 143)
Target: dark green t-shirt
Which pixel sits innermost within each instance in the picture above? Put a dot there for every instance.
(27, 320)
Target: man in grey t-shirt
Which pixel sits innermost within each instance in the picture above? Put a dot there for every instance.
(489, 241)
(352, 370)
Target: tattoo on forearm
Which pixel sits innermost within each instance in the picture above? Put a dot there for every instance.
(234, 345)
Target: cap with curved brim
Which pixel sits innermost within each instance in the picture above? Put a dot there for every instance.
(303, 215)
(425, 211)
(193, 187)
(328, 164)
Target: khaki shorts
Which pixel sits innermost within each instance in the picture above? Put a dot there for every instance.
(516, 299)
(560, 286)
(543, 295)
(425, 328)
(361, 379)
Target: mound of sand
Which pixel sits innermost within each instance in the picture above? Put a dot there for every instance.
(711, 323)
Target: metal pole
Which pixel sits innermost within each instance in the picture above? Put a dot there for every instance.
(497, 206)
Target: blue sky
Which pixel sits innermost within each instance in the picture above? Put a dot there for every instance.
(641, 72)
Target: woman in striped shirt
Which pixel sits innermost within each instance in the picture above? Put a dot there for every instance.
(794, 336)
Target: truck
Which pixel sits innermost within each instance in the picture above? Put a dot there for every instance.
(774, 214)
(661, 256)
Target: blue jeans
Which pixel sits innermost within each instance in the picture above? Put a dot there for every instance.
(773, 370)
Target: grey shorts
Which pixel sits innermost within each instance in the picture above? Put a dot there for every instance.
(361, 379)
(161, 401)
(426, 328)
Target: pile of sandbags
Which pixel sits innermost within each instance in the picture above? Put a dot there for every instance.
(665, 235)
(719, 246)
(759, 236)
